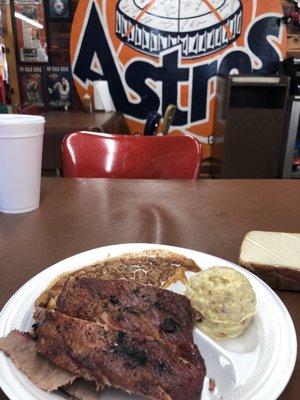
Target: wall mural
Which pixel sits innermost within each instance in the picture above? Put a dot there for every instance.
(157, 52)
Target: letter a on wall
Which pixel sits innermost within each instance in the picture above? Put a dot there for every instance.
(156, 52)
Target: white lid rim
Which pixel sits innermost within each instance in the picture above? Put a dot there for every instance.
(20, 119)
(14, 136)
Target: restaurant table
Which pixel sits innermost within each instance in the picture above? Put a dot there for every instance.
(60, 123)
(211, 216)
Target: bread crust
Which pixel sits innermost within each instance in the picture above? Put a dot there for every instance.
(277, 277)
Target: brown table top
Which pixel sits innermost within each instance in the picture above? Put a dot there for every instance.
(205, 215)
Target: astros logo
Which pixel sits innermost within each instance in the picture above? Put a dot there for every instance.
(157, 52)
(201, 27)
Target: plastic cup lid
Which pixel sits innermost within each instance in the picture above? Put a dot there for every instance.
(13, 126)
(20, 119)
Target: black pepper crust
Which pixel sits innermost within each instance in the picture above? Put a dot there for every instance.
(134, 337)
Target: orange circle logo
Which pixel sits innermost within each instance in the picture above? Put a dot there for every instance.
(153, 53)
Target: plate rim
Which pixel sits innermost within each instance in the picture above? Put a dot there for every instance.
(143, 246)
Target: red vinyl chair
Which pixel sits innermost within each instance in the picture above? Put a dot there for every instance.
(86, 155)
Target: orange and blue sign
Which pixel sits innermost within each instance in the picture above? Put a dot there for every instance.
(154, 53)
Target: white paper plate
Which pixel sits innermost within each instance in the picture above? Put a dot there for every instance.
(255, 366)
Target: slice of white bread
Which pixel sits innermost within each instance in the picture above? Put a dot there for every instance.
(274, 257)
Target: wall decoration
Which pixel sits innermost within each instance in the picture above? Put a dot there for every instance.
(32, 85)
(58, 10)
(165, 24)
(31, 31)
(159, 52)
(292, 12)
(58, 87)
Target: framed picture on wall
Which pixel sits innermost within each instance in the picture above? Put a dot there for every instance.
(31, 31)
(32, 85)
(59, 89)
(58, 10)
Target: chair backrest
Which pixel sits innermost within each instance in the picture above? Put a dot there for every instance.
(86, 155)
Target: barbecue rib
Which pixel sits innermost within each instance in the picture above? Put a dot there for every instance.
(133, 337)
(145, 310)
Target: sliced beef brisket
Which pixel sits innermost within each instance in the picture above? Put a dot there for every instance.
(22, 350)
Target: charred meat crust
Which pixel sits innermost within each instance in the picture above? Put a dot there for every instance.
(123, 306)
(116, 333)
(147, 367)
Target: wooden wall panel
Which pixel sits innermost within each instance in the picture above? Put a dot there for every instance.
(11, 55)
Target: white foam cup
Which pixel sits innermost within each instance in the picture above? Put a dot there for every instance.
(21, 145)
